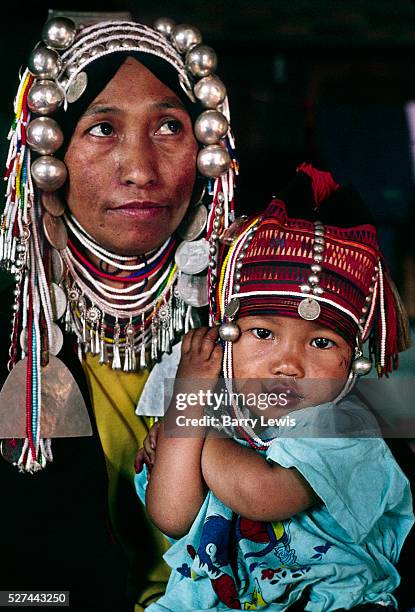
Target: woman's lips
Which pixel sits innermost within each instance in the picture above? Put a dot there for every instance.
(139, 209)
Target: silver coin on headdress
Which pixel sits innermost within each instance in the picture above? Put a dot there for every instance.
(57, 340)
(192, 257)
(193, 289)
(193, 224)
(58, 299)
(77, 87)
(309, 309)
(55, 231)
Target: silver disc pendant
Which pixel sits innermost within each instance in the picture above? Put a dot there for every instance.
(58, 299)
(64, 414)
(232, 308)
(52, 203)
(193, 290)
(192, 257)
(77, 87)
(57, 340)
(55, 231)
(57, 266)
(193, 224)
(309, 309)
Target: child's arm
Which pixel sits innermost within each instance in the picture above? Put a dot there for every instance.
(176, 489)
(253, 488)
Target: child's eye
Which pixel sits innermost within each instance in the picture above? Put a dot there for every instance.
(171, 126)
(322, 343)
(102, 130)
(262, 334)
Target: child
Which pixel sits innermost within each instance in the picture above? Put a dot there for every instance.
(287, 522)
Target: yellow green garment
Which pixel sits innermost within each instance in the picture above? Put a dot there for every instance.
(114, 396)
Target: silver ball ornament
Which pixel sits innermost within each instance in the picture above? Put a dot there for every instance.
(45, 97)
(210, 91)
(210, 127)
(185, 37)
(49, 173)
(361, 366)
(229, 332)
(59, 33)
(44, 135)
(165, 26)
(213, 161)
(201, 61)
(44, 63)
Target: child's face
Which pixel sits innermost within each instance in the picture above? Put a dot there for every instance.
(312, 359)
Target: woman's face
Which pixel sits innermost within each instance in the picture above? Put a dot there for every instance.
(282, 354)
(132, 163)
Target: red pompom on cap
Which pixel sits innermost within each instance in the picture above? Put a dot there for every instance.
(322, 183)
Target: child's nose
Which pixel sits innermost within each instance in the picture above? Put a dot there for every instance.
(288, 361)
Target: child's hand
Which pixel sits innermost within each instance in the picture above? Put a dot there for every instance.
(201, 356)
(147, 454)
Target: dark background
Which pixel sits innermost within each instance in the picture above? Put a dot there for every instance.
(322, 81)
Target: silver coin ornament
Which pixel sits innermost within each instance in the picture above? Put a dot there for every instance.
(229, 332)
(309, 309)
(55, 231)
(58, 267)
(165, 26)
(185, 37)
(77, 87)
(232, 308)
(44, 63)
(213, 161)
(193, 290)
(53, 203)
(210, 91)
(45, 97)
(49, 173)
(194, 223)
(58, 300)
(57, 340)
(59, 33)
(24, 335)
(44, 135)
(201, 61)
(210, 127)
(192, 257)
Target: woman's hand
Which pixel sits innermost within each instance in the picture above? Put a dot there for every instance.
(201, 356)
(147, 454)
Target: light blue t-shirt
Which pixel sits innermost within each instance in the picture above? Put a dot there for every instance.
(343, 549)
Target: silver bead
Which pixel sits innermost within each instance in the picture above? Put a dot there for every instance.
(317, 291)
(313, 279)
(212, 264)
(113, 44)
(214, 236)
(99, 49)
(71, 69)
(45, 97)
(237, 275)
(213, 161)
(185, 37)
(44, 135)
(237, 288)
(319, 240)
(318, 248)
(318, 257)
(165, 26)
(210, 127)
(239, 265)
(316, 268)
(59, 33)
(44, 63)
(361, 366)
(210, 91)
(201, 61)
(49, 173)
(319, 232)
(212, 250)
(216, 224)
(368, 299)
(229, 332)
(364, 310)
(218, 211)
(305, 288)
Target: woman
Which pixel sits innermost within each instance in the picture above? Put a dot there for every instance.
(97, 200)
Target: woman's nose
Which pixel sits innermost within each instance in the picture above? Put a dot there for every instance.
(137, 163)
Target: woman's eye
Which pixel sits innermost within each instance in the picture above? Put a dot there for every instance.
(172, 126)
(102, 129)
(322, 343)
(262, 333)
